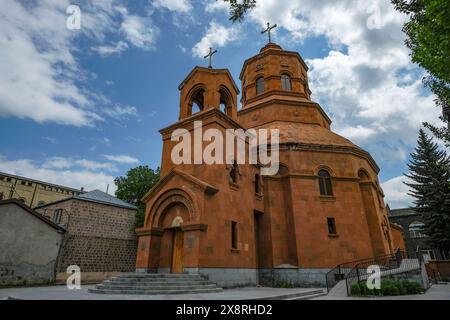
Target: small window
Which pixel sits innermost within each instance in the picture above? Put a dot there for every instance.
(41, 203)
(257, 184)
(234, 172)
(259, 85)
(331, 226)
(416, 230)
(286, 82)
(22, 182)
(30, 184)
(57, 215)
(23, 200)
(234, 235)
(1, 195)
(8, 179)
(325, 183)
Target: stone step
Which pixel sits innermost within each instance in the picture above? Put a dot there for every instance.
(308, 297)
(156, 279)
(155, 283)
(295, 296)
(164, 287)
(159, 275)
(153, 292)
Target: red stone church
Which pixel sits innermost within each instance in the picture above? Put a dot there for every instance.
(238, 227)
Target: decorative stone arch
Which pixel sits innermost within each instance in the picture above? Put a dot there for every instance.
(196, 95)
(288, 72)
(226, 98)
(257, 76)
(165, 201)
(324, 167)
(364, 176)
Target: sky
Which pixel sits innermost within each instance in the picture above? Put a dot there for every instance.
(79, 107)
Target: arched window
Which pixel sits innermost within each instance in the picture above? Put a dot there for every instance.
(416, 230)
(259, 85)
(257, 184)
(286, 82)
(325, 183)
(41, 203)
(197, 101)
(226, 101)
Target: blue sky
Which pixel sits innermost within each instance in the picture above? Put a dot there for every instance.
(80, 107)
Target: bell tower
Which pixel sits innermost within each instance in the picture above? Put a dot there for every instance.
(275, 88)
(208, 88)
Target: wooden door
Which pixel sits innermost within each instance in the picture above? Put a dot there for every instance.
(177, 253)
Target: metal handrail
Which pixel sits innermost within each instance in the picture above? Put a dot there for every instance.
(338, 273)
(386, 263)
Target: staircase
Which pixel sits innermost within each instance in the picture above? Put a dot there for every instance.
(156, 283)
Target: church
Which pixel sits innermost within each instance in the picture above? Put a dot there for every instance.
(237, 227)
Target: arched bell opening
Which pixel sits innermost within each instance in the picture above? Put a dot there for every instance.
(226, 101)
(196, 101)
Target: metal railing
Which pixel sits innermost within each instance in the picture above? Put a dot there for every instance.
(397, 263)
(341, 271)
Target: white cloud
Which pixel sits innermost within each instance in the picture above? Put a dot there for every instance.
(173, 5)
(139, 31)
(67, 163)
(121, 159)
(358, 132)
(366, 82)
(120, 112)
(396, 192)
(216, 36)
(74, 178)
(107, 50)
(214, 5)
(40, 78)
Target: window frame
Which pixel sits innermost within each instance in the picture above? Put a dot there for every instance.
(57, 215)
(234, 235)
(286, 83)
(260, 85)
(325, 183)
(331, 226)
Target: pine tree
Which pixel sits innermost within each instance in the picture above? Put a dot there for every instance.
(429, 171)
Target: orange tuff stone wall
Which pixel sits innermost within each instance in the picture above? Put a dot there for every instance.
(398, 240)
(282, 229)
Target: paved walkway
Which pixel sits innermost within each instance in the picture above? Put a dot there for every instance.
(62, 293)
(436, 292)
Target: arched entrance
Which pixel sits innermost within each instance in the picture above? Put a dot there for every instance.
(172, 219)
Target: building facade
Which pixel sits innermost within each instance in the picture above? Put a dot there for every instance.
(99, 238)
(414, 237)
(32, 192)
(228, 221)
(29, 245)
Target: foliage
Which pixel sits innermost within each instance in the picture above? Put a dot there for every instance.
(238, 9)
(282, 284)
(429, 171)
(428, 37)
(355, 290)
(134, 185)
(389, 287)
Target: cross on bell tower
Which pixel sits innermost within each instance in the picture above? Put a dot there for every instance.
(268, 30)
(210, 54)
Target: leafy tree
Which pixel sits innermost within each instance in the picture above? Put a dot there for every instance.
(429, 170)
(428, 37)
(131, 188)
(238, 9)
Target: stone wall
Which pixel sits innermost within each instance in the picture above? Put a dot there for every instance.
(28, 247)
(100, 238)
